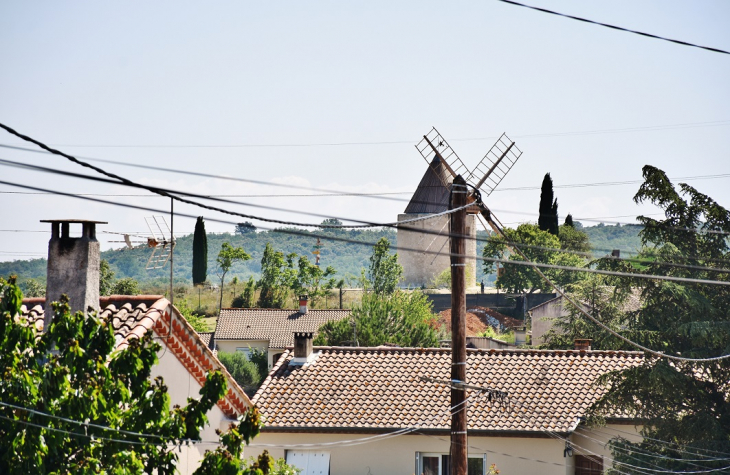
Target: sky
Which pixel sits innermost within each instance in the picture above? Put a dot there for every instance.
(334, 96)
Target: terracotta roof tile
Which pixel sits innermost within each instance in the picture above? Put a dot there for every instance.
(133, 316)
(380, 388)
(276, 325)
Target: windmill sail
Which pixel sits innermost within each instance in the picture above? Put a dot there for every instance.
(494, 166)
(434, 146)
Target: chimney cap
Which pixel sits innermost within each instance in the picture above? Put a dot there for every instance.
(303, 334)
(80, 221)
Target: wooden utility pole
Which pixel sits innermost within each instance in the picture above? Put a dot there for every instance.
(458, 327)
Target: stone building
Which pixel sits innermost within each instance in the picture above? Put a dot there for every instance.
(430, 237)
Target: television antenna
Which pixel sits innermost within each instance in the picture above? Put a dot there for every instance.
(161, 242)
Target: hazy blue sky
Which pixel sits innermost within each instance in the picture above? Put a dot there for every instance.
(89, 77)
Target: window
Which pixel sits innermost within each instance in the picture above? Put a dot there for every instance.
(310, 462)
(440, 464)
(585, 465)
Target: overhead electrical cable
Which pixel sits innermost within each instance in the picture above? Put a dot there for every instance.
(580, 309)
(647, 128)
(370, 244)
(367, 224)
(614, 27)
(326, 192)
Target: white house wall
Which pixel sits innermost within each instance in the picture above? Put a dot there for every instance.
(397, 455)
(181, 385)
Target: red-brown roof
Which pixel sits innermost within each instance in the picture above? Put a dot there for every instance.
(133, 316)
(354, 389)
(276, 325)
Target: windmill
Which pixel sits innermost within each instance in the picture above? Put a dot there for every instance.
(432, 196)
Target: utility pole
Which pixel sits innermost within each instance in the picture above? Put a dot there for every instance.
(458, 327)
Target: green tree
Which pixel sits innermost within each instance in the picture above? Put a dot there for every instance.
(683, 403)
(246, 299)
(33, 288)
(200, 253)
(244, 371)
(106, 278)
(226, 257)
(569, 221)
(385, 272)
(548, 219)
(403, 318)
(245, 228)
(310, 279)
(330, 222)
(73, 371)
(276, 278)
(539, 246)
(573, 239)
(125, 286)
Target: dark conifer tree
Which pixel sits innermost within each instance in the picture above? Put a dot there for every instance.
(569, 220)
(200, 253)
(548, 219)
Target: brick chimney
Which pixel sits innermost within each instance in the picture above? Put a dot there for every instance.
(303, 300)
(73, 265)
(583, 344)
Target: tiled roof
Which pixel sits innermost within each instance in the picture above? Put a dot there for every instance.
(206, 337)
(379, 389)
(133, 316)
(276, 325)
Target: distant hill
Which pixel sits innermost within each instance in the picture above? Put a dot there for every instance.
(347, 258)
(606, 238)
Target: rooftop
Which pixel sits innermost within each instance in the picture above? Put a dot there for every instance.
(378, 389)
(133, 316)
(276, 325)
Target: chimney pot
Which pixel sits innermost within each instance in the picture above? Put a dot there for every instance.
(303, 300)
(303, 344)
(583, 344)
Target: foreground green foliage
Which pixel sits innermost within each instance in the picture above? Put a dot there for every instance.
(73, 371)
(684, 405)
(402, 319)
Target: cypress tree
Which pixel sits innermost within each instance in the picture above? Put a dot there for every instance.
(569, 220)
(548, 219)
(200, 253)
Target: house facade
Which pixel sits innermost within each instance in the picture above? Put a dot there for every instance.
(386, 410)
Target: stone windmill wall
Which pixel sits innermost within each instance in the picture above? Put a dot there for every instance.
(421, 266)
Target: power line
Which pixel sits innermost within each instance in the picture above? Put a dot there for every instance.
(649, 128)
(339, 192)
(353, 241)
(172, 194)
(399, 224)
(614, 27)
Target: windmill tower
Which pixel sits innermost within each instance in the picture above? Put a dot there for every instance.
(432, 196)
